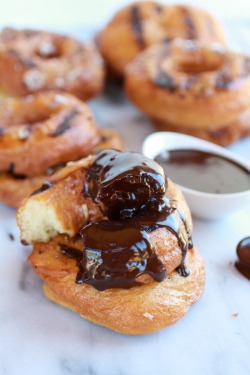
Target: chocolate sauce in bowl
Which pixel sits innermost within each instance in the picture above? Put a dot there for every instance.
(204, 171)
(243, 252)
(130, 190)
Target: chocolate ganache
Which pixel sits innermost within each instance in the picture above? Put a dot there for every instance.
(130, 190)
(243, 262)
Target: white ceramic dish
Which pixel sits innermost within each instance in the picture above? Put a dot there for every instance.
(203, 205)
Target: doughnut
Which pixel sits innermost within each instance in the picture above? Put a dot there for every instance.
(32, 61)
(111, 237)
(39, 134)
(186, 86)
(143, 24)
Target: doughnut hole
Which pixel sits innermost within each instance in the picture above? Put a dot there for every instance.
(49, 49)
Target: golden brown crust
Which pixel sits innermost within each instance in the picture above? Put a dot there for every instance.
(210, 84)
(223, 136)
(63, 208)
(140, 310)
(13, 190)
(32, 61)
(142, 24)
(55, 217)
(43, 130)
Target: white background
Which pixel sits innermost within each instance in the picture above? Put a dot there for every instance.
(65, 13)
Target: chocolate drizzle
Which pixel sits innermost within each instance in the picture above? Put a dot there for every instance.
(243, 252)
(71, 251)
(65, 124)
(130, 190)
(45, 186)
(116, 254)
(137, 25)
(124, 184)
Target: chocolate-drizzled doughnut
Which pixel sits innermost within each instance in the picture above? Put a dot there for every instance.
(186, 86)
(142, 24)
(122, 257)
(40, 133)
(33, 61)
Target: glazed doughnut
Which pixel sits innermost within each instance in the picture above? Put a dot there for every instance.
(32, 61)
(131, 296)
(14, 188)
(39, 134)
(194, 88)
(142, 24)
(48, 127)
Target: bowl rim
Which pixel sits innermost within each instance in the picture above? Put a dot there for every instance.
(201, 145)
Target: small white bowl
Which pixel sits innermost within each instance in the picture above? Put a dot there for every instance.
(203, 205)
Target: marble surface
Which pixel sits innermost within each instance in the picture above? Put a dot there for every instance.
(39, 337)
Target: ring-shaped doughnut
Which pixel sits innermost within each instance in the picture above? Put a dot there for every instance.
(138, 310)
(32, 61)
(43, 130)
(14, 189)
(191, 86)
(142, 24)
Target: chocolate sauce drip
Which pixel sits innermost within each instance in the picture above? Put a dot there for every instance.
(45, 186)
(183, 270)
(137, 26)
(130, 189)
(243, 252)
(190, 27)
(73, 252)
(116, 253)
(165, 218)
(164, 81)
(65, 124)
(125, 184)
(188, 230)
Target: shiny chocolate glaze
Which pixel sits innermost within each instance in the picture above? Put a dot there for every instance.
(125, 183)
(243, 252)
(130, 189)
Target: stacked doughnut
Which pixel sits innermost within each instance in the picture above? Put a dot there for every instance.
(126, 263)
(194, 88)
(45, 124)
(146, 23)
(40, 133)
(178, 71)
(33, 61)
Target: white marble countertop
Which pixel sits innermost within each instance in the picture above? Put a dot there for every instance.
(38, 337)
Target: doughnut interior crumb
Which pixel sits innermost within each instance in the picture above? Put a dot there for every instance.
(40, 222)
